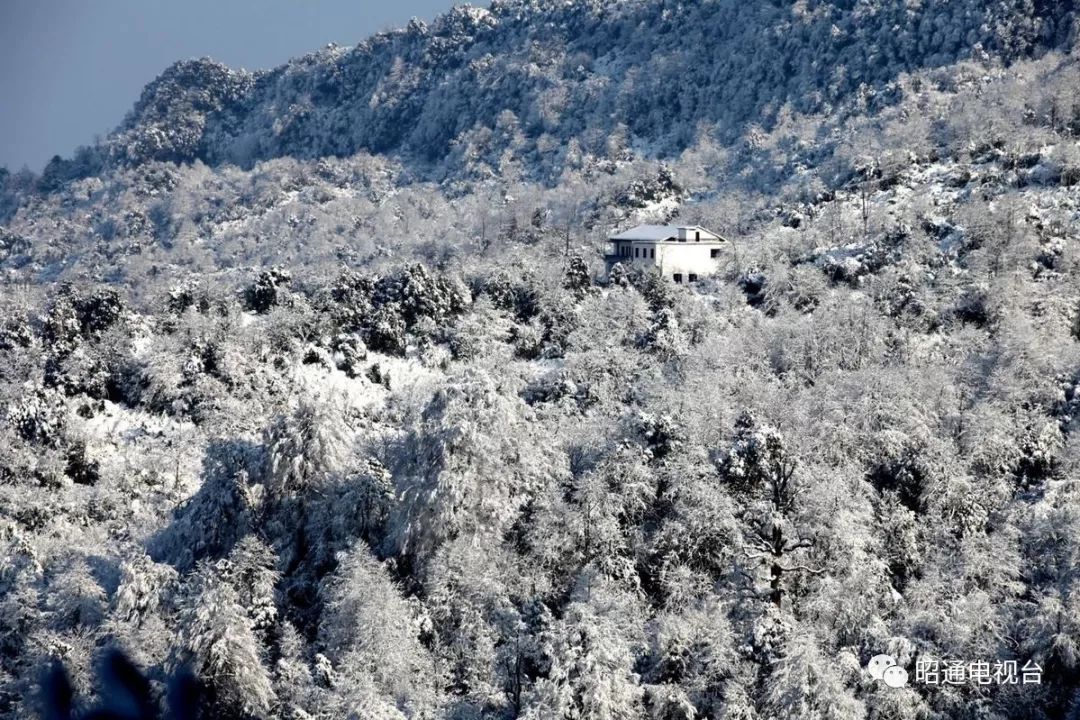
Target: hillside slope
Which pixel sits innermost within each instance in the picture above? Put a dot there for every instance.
(371, 435)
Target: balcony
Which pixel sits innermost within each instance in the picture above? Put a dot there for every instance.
(628, 262)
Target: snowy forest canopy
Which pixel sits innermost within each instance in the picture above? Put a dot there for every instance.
(550, 80)
(340, 413)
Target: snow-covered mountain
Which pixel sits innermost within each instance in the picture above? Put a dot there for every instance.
(548, 79)
(311, 380)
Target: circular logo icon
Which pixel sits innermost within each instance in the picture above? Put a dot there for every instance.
(879, 664)
(895, 676)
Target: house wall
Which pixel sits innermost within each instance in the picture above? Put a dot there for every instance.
(631, 247)
(648, 249)
(688, 258)
(623, 252)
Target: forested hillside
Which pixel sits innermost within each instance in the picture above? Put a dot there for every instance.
(548, 81)
(311, 380)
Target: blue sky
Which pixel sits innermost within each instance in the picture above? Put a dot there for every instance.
(71, 69)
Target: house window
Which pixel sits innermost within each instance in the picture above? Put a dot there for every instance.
(714, 253)
(697, 236)
(652, 253)
(691, 277)
(677, 277)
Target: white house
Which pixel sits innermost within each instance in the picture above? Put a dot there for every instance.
(682, 253)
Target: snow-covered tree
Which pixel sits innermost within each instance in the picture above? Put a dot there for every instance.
(465, 466)
(372, 635)
(592, 652)
(217, 635)
(304, 447)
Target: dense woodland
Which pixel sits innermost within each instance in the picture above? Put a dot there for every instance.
(340, 412)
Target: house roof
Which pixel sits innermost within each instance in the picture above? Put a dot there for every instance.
(657, 232)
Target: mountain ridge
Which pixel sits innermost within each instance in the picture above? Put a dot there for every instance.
(542, 79)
